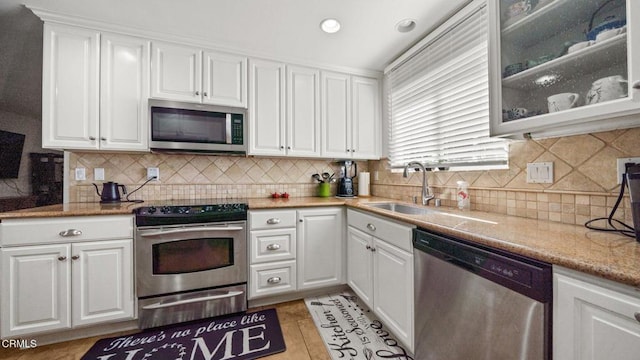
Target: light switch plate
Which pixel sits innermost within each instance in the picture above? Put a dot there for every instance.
(540, 173)
(98, 174)
(81, 174)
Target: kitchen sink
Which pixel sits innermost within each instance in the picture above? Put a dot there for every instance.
(403, 208)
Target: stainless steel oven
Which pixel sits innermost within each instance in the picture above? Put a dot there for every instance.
(191, 262)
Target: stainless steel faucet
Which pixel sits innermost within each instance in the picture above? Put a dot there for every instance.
(426, 197)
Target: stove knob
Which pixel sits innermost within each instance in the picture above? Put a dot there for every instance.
(152, 210)
(165, 210)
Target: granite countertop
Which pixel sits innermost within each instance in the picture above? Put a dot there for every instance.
(607, 255)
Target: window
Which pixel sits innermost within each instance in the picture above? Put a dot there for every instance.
(438, 99)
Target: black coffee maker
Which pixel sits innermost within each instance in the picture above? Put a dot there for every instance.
(348, 171)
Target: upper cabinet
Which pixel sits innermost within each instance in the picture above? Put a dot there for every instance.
(95, 90)
(185, 73)
(563, 67)
(350, 116)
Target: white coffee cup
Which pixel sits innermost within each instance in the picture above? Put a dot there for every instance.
(606, 89)
(563, 101)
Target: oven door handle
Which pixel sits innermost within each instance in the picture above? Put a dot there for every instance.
(190, 230)
(189, 301)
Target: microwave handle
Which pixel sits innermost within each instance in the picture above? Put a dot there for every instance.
(160, 305)
(228, 134)
(190, 230)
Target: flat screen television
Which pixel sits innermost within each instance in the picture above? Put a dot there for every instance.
(11, 145)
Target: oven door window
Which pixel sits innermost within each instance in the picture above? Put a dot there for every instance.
(190, 126)
(186, 256)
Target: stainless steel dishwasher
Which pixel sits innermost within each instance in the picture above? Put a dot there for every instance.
(473, 302)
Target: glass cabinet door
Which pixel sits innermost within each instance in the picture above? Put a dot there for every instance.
(561, 64)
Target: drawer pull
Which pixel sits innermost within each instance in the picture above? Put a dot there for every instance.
(637, 316)
(371, 227)
(70, 232)
(273, 221)
(368, 247)
(274, 280)
(62, 258)
(75, 257)
(273, 247)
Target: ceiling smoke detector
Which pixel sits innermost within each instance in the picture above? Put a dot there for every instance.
(330, 25)
(405, 25)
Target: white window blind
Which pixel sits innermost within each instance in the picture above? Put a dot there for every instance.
(438, 101)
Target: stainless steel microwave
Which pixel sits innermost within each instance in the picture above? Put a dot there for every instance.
(197, 128)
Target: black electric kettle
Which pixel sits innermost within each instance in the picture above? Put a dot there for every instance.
(110, 192)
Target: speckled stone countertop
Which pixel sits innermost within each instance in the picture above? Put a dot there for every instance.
(607, 255)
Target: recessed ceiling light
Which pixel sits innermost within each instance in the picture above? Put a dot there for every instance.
(330, 25)
(405, 25)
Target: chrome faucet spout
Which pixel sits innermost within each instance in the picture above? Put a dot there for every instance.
(426, 196)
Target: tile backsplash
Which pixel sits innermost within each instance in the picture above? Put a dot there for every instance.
(200, 176)
(585, 184)
(584, 187)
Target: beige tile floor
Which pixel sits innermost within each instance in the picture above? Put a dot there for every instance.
(300, 335)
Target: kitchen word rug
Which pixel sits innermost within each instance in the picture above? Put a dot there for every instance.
(351, 331)
(237, 337)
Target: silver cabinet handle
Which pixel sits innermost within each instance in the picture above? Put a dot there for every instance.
(62, 258)
(353, 150)
(92, 138)
(273, 221)
(160, 305)
(348, 150)
(274, 280)
(273, 247)
(198, 93)
(373, 249)
(103, 138)
(368, 247)
(636, 85)
(204, 93)
(75, 257)
(371, 227)
(70, 232)
(637, 316)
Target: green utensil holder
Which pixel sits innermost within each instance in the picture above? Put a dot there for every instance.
(324, 189)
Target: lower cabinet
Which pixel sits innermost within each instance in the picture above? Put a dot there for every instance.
(65, 285)
(380, 270)
(594, 318)
(295, 249)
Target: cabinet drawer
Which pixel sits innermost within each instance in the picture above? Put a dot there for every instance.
(399, 235)
(272, 219)
(272, 278)
(273, 245)
(61, 230)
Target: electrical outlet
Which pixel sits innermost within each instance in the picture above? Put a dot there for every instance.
(81, 174)
(153, 171)
(621, 168)
(98, 174)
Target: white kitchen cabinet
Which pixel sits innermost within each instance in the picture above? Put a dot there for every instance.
(267, 108)
(70, 81)
(95, 90)
(320, 247)
(124, 90)
(36, 289)
(185, 73)
(284, 115)
(541, 85)
(350, 116)
(272, 252)
(380, 270)
(594, 318)
(76, 271)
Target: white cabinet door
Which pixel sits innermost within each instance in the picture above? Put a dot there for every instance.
(36, 289)
(393, 291)
(594, 322)
(124, 90)
(320, 247)
(365, 117)
(303, 112)
(360, 264)
(177, 72)
(336, 115)
(102, 273)
(70, 87)
(267, 108)
(225, 79)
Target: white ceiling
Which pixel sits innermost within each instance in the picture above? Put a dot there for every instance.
(284, 29)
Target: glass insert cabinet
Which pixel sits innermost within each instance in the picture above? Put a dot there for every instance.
(561, 67)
